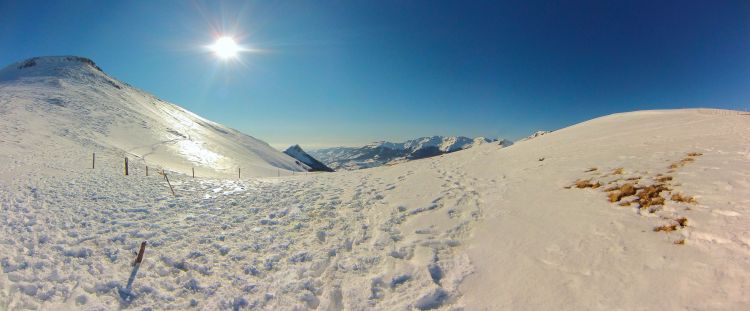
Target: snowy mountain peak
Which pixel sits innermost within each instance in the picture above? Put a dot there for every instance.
(294, 148)
(51, 66)
(302, 156)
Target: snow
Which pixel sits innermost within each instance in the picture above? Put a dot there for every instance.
(69, 97)
(487, 228)
(535, 135)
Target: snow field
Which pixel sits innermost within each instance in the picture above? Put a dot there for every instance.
(316, 241)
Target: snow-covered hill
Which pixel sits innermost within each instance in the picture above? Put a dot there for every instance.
(385, 153)
(69, 105)
(302, 156)
(635, 211)
(535, 135)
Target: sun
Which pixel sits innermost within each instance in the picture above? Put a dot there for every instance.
(225, 48)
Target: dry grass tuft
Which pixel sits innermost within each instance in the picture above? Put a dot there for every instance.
(611, 188)
(663, 178)
(680, 242)
(623, 191)
(679, 223)
(681, 163)
(666, 228)
(617, 171)
(682, 221)
(682, 198)
(590, 170)
(649, 195)
(694, 154)
(586, 183)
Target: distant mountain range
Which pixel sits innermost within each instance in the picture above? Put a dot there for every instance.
(386, 153)
(302, 156)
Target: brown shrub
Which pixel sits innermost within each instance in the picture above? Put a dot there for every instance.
(617, 171)
(694, 154)
(679, 242)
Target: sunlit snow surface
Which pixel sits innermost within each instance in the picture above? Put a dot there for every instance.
(194, 152)
(67, 97)
(488, 228)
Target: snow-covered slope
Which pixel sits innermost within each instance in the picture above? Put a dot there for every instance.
(535, 135)
(67, 103)
(548, 224)
(302, 156)
(385, 153)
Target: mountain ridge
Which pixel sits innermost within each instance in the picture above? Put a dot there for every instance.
(387, 153)
(73, 100)
(298, 153)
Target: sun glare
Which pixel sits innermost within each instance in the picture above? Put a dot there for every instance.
(225, 48)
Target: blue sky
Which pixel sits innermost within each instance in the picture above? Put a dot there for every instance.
(351, 72)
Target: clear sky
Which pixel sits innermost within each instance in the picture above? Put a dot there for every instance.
(350, 72)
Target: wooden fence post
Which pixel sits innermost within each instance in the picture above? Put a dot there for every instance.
(126, 166)
(146, 170)
(239, 173)
(168, 183)
(93, 160)
(193, 172)
(139, 259)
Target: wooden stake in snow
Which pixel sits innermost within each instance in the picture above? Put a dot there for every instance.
(193, 172)
(93, 160)
(168, 183)
(239, 173)
(146, 170)
(126, 166)
(139, 259)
